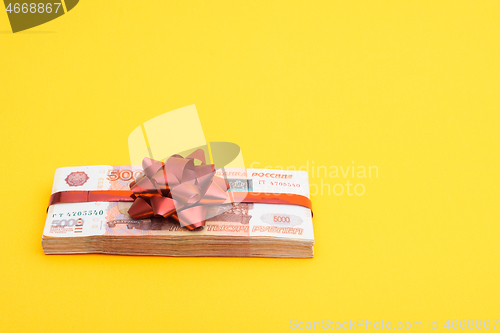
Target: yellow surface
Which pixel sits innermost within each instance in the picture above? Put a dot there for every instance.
(411, 87)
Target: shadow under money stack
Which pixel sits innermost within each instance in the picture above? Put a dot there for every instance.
(266, 214)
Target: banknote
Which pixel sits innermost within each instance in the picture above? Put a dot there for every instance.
(236, 221)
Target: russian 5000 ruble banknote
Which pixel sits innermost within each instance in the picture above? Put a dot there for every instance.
(238, 219)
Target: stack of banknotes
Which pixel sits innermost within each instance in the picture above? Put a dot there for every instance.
(236, 229)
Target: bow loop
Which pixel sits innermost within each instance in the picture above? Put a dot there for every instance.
(151, 166)
(187, 194)
(144, 186)
(163, 206)
(141, 209)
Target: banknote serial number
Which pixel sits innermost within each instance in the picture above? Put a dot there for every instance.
(273, 183)
(33, 8)
(94, 212)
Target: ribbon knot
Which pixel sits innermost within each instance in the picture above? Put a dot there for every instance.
(178, 189)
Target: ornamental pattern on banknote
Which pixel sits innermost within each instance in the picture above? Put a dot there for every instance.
(237, 213)
(118, 222)
(136, 226)
(240, 185)
(77, 178)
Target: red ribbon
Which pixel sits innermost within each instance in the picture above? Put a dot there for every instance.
(178, 189)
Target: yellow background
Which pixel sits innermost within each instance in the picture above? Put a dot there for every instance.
(411, 87)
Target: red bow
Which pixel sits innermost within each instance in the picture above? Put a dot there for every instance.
(178, 189)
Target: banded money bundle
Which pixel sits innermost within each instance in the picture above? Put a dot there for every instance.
(88, 223)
